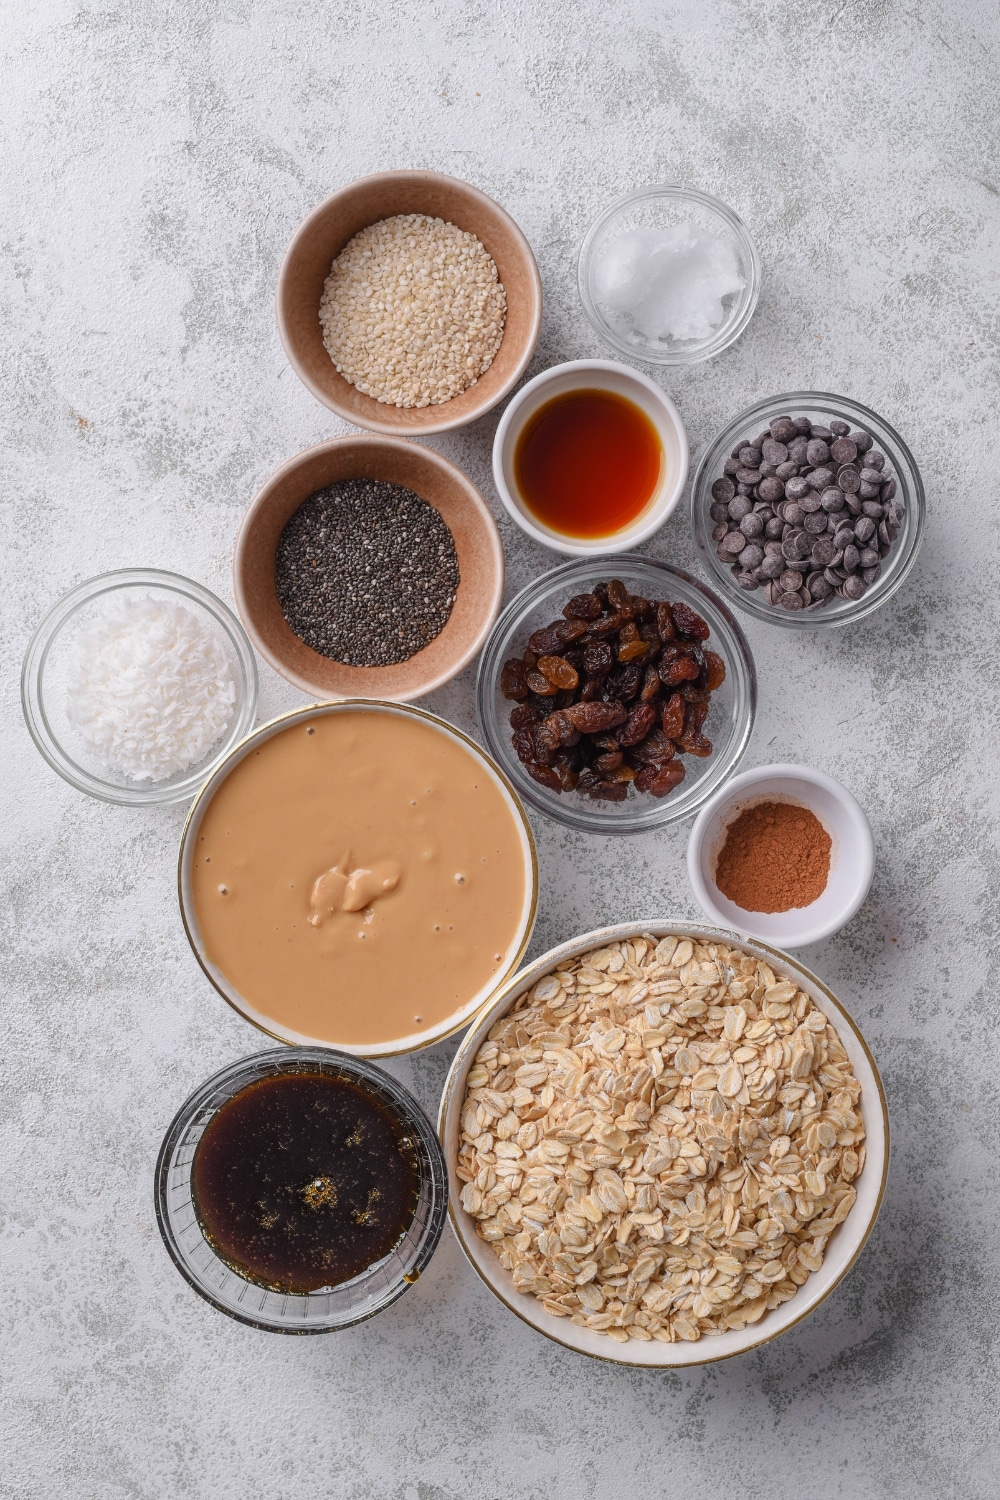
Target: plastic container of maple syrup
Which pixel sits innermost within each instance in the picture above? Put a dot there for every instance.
(591, 457)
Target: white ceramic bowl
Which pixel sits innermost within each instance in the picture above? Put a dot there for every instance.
(845, 1244)
(590, 375)
(843, 1248)
(852, 858)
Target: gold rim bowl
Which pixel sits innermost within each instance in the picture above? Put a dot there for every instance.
(268, 1024)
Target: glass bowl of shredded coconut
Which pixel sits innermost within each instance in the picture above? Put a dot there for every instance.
(136, 684)
(669, 275)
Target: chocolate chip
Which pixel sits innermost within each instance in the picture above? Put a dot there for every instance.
(862, 440)
(874, 459)
(751, 525)
(873, 509)
(819, 478)
(792, 513)
(864, 529)
(854, 587)
(719, 530)
(815, 523)
(719, 511)
(749, 457)
(790, 601)
(770, 489)
(794, 488)
(810, 501)
(752, 556)
(820, 587)
(820, 433)
(790, 581)
(774, 528)
(787, 470)
(740, 507)
(849, 480)
(824, 550)
(772, 567)
(852, 558)
(723, 490)
(839, 429)
(747, 476)
(773, 452)
(868, 491)
(888, 490)
(734, 543)
(868, 557)
(783, 429)
(843, 450)
(871, 574)
(832, 499)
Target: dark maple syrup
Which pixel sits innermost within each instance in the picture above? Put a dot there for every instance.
(304, 1180)
(587, 463)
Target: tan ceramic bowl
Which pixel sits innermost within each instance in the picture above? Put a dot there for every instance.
(325, 233)
(434, 479)
(845, 1244)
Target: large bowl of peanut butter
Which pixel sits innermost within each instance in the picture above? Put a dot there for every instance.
(358, 875)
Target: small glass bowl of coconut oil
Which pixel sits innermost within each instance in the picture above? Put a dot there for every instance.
(669, 275)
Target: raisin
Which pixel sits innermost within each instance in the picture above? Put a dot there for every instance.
(592, 688)
(540, 685)
(574, 655)
(659, 780)
(609, 761)
(587, 779)
(692, 693)
(673, 717)
(546, 641)
(593, 717)
(606, 625)
(665, 622)
(523, 716)
(638, 724)
(600, 590)
(621, 774)
(716, 670)
(644, 608)
(544, 775)
(564, 697)
(623, 683)
(583, 607)
(608, 791)
(655, 750)
(673, 669)
(558, 671)
(628, 632)
(632, 651)
(650, 634)
(542, 706)
(695, 744)
(529, 657)
(691, 626)
(619, 596)
(549, 734)
(524, 745)
(607, 741)
(694, 717)
(598, 659)
(513, 679)
(570, 630)
(650, 685)
(567, 772)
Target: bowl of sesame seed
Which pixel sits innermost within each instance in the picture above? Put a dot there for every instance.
(368, 567)
(409, 302)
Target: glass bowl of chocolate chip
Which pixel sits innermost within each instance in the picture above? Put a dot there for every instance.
(808, 510)
(617, 694)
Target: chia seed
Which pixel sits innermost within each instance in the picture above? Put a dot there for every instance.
(366, 573)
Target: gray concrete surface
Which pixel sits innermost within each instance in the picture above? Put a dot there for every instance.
(156, 159)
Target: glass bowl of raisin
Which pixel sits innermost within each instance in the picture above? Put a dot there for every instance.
(618, 694)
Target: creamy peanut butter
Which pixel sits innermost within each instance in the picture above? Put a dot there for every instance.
(359, 877)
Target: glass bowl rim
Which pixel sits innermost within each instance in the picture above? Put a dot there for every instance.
(728, 331)
(48, 630)
(284, 1058)
(906, 473)
(586, 820)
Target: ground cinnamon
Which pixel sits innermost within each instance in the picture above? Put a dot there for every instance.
(776, 857)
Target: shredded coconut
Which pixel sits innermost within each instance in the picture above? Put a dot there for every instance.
(151, 688)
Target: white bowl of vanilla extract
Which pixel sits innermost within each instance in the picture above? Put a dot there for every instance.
(301, 1190)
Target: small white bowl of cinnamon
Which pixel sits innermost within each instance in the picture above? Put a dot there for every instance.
(782, 853)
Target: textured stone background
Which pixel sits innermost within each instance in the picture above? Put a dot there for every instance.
(156, 159)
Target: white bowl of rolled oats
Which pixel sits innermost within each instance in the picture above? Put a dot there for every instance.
(666, 1144)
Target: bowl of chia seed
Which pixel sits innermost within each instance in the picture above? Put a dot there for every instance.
(368, 568)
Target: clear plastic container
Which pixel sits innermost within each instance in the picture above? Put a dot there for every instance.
(45, 680)
(820, 407)
(728, 726)
(284, 1312)
(662, 207)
